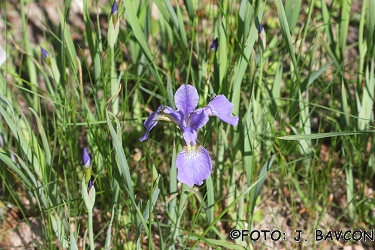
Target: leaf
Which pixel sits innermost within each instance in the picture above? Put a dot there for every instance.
(320, 135)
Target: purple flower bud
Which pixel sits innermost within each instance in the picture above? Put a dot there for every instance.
(260, 29)
(44, 52)
(114, 8)
(90, 185)
(215, 45)
(86, 160)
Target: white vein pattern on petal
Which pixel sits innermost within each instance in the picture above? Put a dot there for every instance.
(194, 165)
(192, 152)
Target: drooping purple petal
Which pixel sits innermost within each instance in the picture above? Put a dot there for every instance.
(221, 107)
(176, 117)
(86, 160)
(186, 99)
(194, 165)
(151, 122)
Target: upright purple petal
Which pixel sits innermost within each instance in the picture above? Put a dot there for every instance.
(186, 99)
(86, 160)
(194, 165)
(195, 121)
(190, 135)
(221, 107)
(176, 116)
(198, 119)
(151, 122)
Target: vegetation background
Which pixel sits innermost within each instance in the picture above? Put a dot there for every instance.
(301, 158)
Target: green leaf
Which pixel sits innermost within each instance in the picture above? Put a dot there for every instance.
(112, 32)
(89, 201)
(286, 32)
(8, 162)
(42, 133)
(320, 135)
(69, 42)
(261, 178)
(72, 240)
(123, 164)
(108, 239)
(292, 9)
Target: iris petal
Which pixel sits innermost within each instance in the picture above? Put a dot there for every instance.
(221, 107)
(186, 99)
(190, 135)
(194, 165)
(198, 119)
(195, 121)
(151, 122)
(177, 116)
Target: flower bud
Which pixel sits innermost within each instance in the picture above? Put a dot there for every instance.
(214, 45)
(262, 37)
(114, 13)
(45, 56)
(114, 8)
(90, 186)
(86, 160)
(211, 54)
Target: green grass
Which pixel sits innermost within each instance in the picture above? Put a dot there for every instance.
(303, 150)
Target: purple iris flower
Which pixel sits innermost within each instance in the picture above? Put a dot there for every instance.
(193, 161)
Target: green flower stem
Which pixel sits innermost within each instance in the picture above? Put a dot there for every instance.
(91, 231)
(89, 202)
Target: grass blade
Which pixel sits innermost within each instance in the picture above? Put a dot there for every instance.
(286, 32)
(42, 133)
(123, 164)
(320, 135)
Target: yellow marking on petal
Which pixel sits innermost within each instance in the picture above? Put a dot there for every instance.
(192, 151)
(167, 118)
